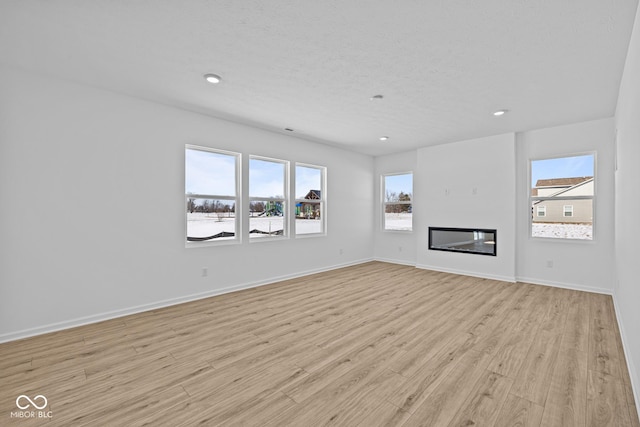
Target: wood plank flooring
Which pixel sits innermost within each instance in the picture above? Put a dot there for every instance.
(371, 345)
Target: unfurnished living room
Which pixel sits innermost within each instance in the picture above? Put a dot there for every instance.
(356, 213)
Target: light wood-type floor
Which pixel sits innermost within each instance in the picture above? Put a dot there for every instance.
(370, 345)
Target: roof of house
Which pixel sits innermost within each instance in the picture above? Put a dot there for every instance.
(311, 195)
(562, 182)
(563, 187)
(559, 182)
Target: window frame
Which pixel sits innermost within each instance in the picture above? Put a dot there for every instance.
(541, 209)
(565, 211)
(532, 198)
(384, 203)
(237, 199)
(322, 201)
(284, 200)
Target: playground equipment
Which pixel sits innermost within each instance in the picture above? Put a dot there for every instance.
(272, 209)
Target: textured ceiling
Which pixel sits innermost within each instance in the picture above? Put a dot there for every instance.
(443, 66)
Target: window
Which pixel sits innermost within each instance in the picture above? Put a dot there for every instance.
(268, 187)
(563, 196)
(567, 210)
(310, 199)
(397, 207)
(211, 194)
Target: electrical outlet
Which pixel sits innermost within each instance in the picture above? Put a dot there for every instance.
(399, 248)
(341, 251)
(205, 271)
(549, 264)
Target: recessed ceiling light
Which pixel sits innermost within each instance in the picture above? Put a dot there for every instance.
(376, 97)
(212, 78)
(499, 112)
(384, 138)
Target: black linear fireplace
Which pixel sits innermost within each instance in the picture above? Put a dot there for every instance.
(479, 241)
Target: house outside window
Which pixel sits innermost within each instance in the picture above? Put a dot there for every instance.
(310, 200)
(563, 197)
(397, 205)
(212, 195)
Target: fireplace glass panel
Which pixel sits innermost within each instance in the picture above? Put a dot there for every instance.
(466, 240)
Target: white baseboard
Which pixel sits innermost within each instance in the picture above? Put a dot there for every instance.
(468, 273)
(395, 261)
(633, 374)
(80, 321)
(572, 286)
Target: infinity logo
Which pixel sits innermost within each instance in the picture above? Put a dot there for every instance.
(35, 405)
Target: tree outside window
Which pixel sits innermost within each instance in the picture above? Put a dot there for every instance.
(397, 202)
(211, 195)
(268, 187)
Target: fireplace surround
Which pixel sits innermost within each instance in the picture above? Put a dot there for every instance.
(479, 241)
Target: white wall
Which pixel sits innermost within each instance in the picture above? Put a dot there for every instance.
(92, 188)
(394, 246)
(467, 184)
(586, 265)
(627, 208)
(498, 168)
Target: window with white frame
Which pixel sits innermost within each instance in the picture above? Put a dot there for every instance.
(212, 196)
(268, 200)
(310, 199)
(397, 205)
(567, 210)
(563, 188)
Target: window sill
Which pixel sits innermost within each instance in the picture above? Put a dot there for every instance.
(310, 235)
(208, 244)
(267, 239)
(562, 239)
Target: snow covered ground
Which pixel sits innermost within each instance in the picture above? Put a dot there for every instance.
(562, 231)
(208, 224)
(398, 221)
(308, 226)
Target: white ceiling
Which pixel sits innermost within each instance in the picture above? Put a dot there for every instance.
(443, 66)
